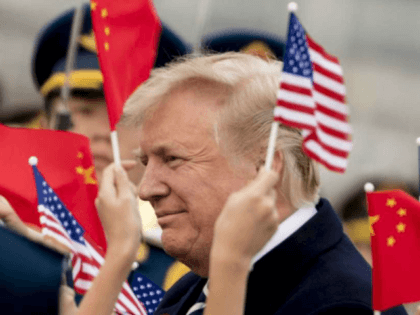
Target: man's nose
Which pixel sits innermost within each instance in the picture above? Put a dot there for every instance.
(152, 186)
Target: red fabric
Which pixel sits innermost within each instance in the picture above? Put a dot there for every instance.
(127, 34)
(395, 238)
(65, 159)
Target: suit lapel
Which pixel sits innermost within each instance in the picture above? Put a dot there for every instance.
(278, 273)
(182, 296)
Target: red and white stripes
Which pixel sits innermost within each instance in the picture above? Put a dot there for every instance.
(317, 105)
(86, 262)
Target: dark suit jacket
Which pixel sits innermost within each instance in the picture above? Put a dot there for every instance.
(30, 276)
(317, 270)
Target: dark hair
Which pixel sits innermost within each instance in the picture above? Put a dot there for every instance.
(89, 94)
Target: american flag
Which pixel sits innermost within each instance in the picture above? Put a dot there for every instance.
(312, 98)
(147, 291)
(86, 258)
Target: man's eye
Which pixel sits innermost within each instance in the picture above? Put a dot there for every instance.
(171, 158)
(87, 111)
(143, 160)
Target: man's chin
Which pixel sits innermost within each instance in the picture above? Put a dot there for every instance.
(183, 252)
(172, 247)
(175, 245)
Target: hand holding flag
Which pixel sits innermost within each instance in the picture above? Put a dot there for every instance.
(118, 208)
(87, 258)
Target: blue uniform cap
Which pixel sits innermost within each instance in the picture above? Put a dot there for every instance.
(262, 44)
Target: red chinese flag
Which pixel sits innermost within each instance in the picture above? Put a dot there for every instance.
(65, 159)
(394, 218)
(127, 34)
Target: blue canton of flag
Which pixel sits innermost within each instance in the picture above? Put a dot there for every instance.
(312, 98)
(147, 291)
(296, 57)
(49, 201)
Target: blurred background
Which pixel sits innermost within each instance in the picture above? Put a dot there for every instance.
(377, 42)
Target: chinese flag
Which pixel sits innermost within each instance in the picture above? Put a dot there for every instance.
(65, 159)
(394, 218)
(127, 34)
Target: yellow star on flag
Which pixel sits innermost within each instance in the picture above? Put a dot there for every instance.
(80, 170)
(391, 202)
(402, 212)
(106, 46)
(88, 176)
(107, 31)
(390, 241)
(104, 13)
(401, 227)
(80, 155)
(93, 6)
(372, 220)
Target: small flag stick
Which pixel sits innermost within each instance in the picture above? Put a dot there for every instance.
(200, 21)
(72, 51)
(115, 148)
(62, 119)
(418, 156)
(291, 7)
(271, 145)
(370, 188)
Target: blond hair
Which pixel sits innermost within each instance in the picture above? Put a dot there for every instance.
(246, 87)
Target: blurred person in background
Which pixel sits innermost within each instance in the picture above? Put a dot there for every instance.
(26, 118)
(254, 42)
(21, 115)
(89, 117)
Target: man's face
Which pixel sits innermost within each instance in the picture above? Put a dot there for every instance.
(187, 178)
(90, 118)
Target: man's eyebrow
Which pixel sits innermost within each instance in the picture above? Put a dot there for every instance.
(160, 150)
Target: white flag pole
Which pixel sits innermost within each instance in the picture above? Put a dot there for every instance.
(115, 148)
(271, 145)
(418, 156)
(291, 7)
(201, 17)
(370, 188)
